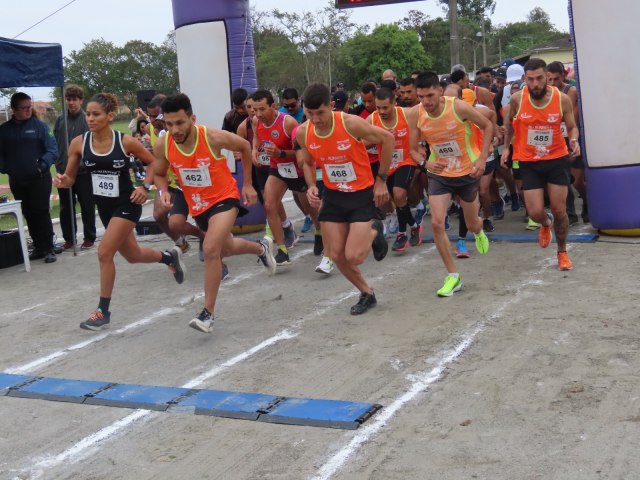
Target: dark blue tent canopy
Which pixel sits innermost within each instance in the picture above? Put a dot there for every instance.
(30, 64)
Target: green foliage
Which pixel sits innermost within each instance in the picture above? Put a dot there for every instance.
(386, 47)
(472, 9)
(101, 66)
(278, 61)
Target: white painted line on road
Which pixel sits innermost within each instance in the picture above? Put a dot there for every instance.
(18, 312)
(421, 382)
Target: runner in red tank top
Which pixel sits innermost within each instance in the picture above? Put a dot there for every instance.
(272, 141)
(534, 119)
(333, 141)
(194, 153)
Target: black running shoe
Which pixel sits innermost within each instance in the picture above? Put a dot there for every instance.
(379, 245)
(400, 245)
(97, 321)
(367, 300)
(487, 225)
(177, 265)
(318, 246)
(203, 322)
(282, 258)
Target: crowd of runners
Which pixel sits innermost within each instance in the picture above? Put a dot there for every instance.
(358, 172)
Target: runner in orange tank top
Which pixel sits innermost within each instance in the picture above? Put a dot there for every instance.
(394, 120)
(272, 142)
(333, 141)
(534, 119)
(454, 167)
(193, 152)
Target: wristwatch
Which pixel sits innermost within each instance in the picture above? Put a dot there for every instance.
(383, 176)
(283, 154)
(146, 186)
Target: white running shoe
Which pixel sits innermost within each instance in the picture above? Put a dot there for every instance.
(325, 266)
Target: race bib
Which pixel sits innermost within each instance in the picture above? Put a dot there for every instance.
(539, 138)
(105, 185)
(563, 129)
(264, 159)
(447, 149)
(340, 173)
(287, 170)
(195, 177)
(397, 158)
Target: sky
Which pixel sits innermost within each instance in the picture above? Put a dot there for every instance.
(119, 21)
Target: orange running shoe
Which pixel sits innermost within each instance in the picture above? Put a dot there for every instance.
(544, 235)
(564, 263)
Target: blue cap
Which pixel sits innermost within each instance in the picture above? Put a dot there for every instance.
(507, 62)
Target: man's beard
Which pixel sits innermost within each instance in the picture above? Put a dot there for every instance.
(538, 95)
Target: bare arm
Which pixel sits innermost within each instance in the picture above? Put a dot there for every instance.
(308, 165)
(467, 112)
(68, 178)
(486, 98)
(414, 136)
(570, 121)
(511, 110)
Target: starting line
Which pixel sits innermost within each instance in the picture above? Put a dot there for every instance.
(218, 403)
(502, 237)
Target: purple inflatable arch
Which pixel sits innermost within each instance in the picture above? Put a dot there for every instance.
(215, 56)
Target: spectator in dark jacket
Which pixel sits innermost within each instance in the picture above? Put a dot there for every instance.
(233, 118)
(82, 189)
(28, 149)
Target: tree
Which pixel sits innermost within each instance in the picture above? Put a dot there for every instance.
(388, 46)
(472, 9)
(278, 61)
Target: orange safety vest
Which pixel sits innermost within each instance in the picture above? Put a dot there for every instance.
(450, 140)
(402, 146)
(204, 177)
(341, 156)
(537, 130)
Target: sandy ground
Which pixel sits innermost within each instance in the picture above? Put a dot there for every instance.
(528, 373)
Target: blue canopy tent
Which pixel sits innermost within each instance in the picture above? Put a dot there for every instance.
(31, 64)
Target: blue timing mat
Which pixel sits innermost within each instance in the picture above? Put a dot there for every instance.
(217, 403)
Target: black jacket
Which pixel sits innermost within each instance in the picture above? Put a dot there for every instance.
(76, 125)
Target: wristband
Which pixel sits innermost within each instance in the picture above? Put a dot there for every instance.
(161, 191)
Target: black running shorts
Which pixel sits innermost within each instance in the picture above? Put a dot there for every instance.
(180, 206)
(347, 207)
(536, 175)
(202, 220)
(122, 209)
(401, 178)
(294, 184)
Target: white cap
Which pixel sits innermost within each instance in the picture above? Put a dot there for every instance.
(514, 72)
(458, 66)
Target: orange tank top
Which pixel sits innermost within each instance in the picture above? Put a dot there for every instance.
(276, 134)
(401, 147)
(204, 177)
(341, 156)
(537, 130)
(450, 140)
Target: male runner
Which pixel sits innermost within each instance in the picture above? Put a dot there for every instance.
(454, 167)
(402, 168)
(534, 121)
(193, 154)
(334, 142)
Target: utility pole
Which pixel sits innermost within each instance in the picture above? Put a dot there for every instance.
(454, 41)
(484, 45)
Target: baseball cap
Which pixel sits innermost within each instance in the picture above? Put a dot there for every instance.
(458, 66)
(340, 99)
(339, 84)
(514, 72)
(507, 62)
(501, 73)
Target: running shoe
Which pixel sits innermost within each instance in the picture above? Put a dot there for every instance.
(201, 250)
(282, 258)
(451, 285)
(267, 258)
(544, 235)
(420, 212)
(203, 322)
(290, 237)
(225, 272)
(97, 321)
(325, 266)
(366, 301)
(178, 268)
(308, 223)
(515, 202)
(183, 244)
(461, 249)
(318, 246)
(564, 262)
(379, 245)
(67, 245)
(531, 225)
(482, 243)
(393, 224)
(415, 239)
(487, 225)
(400, 245)
(50, 257)
(447, 225)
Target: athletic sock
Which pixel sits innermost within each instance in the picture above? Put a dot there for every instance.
(283, 248)
(317, 232)
(166, 258)
(103, 305)
(404, 217)
(286, 223)
(456, 275)
(462, 227)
